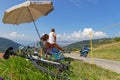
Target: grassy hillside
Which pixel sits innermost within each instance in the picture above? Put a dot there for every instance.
(17, 68)
(96, 42)
(5, 43)
(106, 48)
(108, 51)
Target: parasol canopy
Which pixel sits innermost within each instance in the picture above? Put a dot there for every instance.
(27, 12)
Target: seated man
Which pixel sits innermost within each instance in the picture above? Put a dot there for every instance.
(51, 49)
(44, 39)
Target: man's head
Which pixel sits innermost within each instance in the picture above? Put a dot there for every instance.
(45, 37)
(52, 30)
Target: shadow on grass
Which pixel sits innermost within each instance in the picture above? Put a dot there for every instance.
(68, 59)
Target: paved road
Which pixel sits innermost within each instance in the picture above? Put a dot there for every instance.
(107, 64)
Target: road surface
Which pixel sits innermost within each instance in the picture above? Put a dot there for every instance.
(107, 64)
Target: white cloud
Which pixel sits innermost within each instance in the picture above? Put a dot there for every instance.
(12, 35)
(81, 35)
(99, 34)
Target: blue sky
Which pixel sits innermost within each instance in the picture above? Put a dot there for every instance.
(72, 19)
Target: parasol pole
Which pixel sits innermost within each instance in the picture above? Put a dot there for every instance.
(36, 29)
(33, 21)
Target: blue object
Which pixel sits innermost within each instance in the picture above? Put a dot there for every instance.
(85, 51)
(56, 53)
(55, 50)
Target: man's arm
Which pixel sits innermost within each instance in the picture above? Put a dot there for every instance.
(54, 35)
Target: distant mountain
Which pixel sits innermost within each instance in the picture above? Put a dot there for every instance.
(5, 43)
(64, 43)
(26, 42)
(95, 42)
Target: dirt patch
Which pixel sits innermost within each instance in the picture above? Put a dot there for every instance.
(1, 55)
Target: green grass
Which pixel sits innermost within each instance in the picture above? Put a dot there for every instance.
(111, 54)
(85, 71)
(110, 51)
(17, 68)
